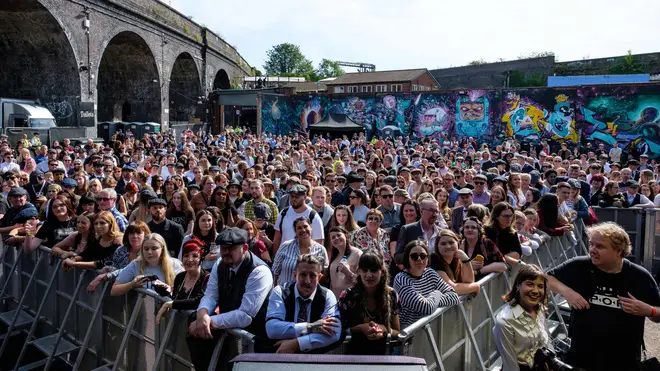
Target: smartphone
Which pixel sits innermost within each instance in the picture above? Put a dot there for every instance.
(150, 278)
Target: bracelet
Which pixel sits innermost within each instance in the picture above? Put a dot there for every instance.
(653, 311)
(467, 261)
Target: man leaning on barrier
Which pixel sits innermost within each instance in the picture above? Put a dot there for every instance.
(302, 315)
(239, 286)
(610, 297)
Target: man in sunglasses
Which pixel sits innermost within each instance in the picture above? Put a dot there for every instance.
(8, 164)
(481, 194)
(389, 209)
(106, 202)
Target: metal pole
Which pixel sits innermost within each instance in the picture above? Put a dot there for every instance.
(88, 334)
(127, 331)
(165, 340)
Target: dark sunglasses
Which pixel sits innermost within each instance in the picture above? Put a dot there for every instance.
(418, 256)
(103, 199)
(479, 183)
(386, 196)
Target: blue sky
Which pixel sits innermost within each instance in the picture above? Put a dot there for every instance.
(395, 34)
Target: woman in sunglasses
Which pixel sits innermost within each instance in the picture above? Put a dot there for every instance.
(370, 309)
(420, 288)
(372, 236)
(358, 201)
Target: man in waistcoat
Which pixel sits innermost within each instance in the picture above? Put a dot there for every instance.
(238, 286)
(302, 316)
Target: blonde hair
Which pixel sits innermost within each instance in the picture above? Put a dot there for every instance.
(165, 260)
(616, 236)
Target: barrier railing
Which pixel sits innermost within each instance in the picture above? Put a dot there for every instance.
(460, 337)
(103, 332)
(92, 331)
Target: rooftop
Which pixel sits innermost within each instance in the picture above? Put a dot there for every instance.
(378, 76)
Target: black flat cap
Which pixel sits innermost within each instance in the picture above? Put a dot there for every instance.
(232, 236)
(17, 192)
(157, 201)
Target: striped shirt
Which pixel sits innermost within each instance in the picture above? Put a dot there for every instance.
(287, 255)
(422, 296)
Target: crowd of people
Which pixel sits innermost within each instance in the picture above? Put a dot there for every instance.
(299, 239)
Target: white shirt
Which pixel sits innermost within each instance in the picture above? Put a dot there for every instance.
(43, 165)
(288, 233)
(615, 154)
(9, 166)
(257, 288)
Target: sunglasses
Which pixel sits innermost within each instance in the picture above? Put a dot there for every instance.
(104, 199)
(373, 219)
(418, 256)
(479, 183)
(386, 196)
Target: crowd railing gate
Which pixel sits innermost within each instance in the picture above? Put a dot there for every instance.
(120, 332)
(460, 337)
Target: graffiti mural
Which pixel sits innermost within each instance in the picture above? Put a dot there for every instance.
(534, 114)
(629, 115)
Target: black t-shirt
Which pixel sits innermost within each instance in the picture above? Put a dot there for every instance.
(180, 217)
(604, 337)
(53, 232)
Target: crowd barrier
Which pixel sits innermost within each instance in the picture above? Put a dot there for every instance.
(83, 330)
(461, 337)
(100, 332)
(643, 227)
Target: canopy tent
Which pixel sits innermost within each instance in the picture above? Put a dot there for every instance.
(336, 123)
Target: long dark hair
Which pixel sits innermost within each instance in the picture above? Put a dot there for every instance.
(370, 260)
(334, 252)
(497, 211)
(197, 232)
(526, 272)
(414, 204)
(548, 208)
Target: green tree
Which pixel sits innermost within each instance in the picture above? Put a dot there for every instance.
(328, 68)
(287, 60)
(626, 65)
(536, 55)
(478, 62)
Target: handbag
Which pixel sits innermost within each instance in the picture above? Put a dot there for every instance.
(648, 363)
(592, 218)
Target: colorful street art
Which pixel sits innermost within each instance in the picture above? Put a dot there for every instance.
(629, 115)
(535, 114)
(607, 113)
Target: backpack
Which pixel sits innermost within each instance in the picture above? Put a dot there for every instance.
(311, 216)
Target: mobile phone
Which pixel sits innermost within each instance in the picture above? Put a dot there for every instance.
(150, 278)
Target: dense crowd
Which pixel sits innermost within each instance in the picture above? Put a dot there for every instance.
(299, 239)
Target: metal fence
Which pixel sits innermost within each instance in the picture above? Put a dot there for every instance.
(643, 227)
(88, 331)
(460, 337)
(96, 331)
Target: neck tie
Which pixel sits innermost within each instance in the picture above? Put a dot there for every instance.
(303, 304)
(231, 275)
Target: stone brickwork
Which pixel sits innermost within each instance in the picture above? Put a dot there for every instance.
(139, 60)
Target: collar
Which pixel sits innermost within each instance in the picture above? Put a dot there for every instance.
(517, 311)
(295, 291)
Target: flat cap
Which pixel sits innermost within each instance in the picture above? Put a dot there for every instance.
(17, 192)
(465, 191)
(232, 236)
(262, 211)
(68, 183)
(298, 189)
(157, 201)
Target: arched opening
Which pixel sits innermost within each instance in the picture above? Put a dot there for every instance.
(128, 85)
(185, 91)
(37, 60)
(221, 80)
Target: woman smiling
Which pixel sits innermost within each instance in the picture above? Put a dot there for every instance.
(520, 327)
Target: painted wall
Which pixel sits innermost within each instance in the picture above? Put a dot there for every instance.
(604, 113)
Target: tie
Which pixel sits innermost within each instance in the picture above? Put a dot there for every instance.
(303, 304)
(231, 275)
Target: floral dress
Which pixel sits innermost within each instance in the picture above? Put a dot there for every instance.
(363, 241)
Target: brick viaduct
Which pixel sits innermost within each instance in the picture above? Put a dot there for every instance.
(132, 60)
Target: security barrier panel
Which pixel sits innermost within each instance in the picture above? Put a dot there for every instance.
(97, 331)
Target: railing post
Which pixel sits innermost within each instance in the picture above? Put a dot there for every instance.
(473, 340)
(434, 347)
(649, 239)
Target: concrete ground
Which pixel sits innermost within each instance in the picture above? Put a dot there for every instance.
(652, 338)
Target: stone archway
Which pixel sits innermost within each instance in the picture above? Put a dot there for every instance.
(128, 79)
(221, 80)
(185, 90)
(38, 61)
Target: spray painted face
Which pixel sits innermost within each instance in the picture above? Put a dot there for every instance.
(472, 111)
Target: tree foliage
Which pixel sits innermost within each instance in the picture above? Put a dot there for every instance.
(626, 65)
(477, 62)
(287, 60)
(328, 68)
(536, 54)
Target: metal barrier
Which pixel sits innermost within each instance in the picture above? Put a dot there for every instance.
(460, 337)
(120, 332)
(88, 331)
(632, 221)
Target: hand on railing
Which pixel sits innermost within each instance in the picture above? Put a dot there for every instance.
(325, 326)
(164, 310)
(201, 327)
(95, 283)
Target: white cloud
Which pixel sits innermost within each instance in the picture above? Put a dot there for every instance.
(394, 34)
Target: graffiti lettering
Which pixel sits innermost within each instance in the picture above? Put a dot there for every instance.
(60, 110)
